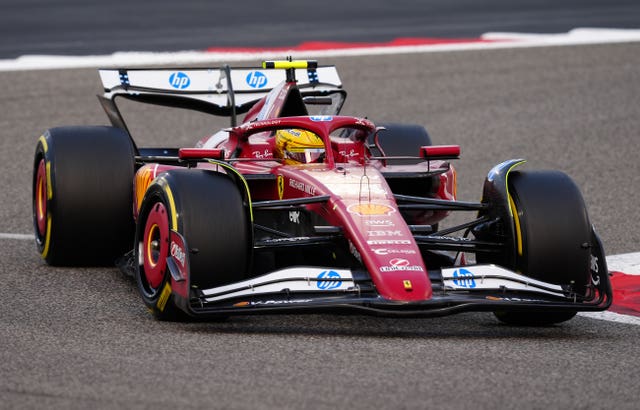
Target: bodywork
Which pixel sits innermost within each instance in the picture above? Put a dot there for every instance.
(345, 234)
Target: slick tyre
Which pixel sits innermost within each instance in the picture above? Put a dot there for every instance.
(406, 140)
(82, 195)
(208, 211)
(553, 236)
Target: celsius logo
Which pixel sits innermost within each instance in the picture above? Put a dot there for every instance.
(179, 80)
(256, 79)
(329, 280)
(464, 278)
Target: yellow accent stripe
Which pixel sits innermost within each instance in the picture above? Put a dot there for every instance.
(506, 180)
(49, 187)
(164, 297)
(47, 239)
(513, 210)
(172, 205)
(43, 141)
(283, 64)
(244, 181)
(516, 220)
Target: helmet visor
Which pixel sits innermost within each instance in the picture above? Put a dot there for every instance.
(307, 156)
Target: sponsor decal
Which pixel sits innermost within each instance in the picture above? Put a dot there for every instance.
(594, 264)
(320, 118)
(142, 181)
(266, 154)
(379, 233)
(450, 238)
(296, 239)
(386, 251)
(595, 278)
(280, 186)
(256, 79)
(164, 297)
(271, 302)
(370, 208)
(351, 154)
(379, 222)
(294, 216)
(464, 278)
(178, 254)
(301, 186)
(179, 80)
(389, 242)
(247, 127)
(281, 240)
(400, 264)
(329, 280)
(498, 298)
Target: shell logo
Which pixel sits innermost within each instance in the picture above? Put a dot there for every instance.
(370, 208)
(144, 177)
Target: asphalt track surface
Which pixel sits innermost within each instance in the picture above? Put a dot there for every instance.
(72, 27)
(81, 338)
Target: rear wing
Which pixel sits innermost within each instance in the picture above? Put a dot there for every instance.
(223, 91)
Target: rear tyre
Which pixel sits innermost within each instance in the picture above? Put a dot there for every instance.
(553, 236)
(402, 140)
(82, 195)
(207, 209)
(406, 140)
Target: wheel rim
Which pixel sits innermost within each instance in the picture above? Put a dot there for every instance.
(155, 245)
(41, 199)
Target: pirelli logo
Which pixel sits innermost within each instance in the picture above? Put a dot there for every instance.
(164, 297)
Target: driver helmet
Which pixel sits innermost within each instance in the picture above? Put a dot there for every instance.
(298, 146)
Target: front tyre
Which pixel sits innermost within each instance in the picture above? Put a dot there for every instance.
(208, 211)
(552, 238)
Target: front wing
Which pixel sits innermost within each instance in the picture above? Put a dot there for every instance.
(472, 288)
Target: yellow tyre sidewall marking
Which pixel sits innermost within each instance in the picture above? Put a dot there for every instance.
(47, 239)
(164, 297)
(516, 220)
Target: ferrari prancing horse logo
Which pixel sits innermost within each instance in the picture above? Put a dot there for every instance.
(280, 186)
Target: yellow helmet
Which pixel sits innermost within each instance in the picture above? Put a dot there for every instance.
(297, 146)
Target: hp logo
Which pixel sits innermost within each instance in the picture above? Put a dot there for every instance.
(256, 79)
(329, 280)
(179, 80)
(464, 279)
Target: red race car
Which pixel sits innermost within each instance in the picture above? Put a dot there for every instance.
(300, 209)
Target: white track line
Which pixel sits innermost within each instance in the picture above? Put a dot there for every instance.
(628, 263)
(576, 36)
(19, 236)
(612, 317)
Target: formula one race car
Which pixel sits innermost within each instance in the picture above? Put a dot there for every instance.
(300, 209)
